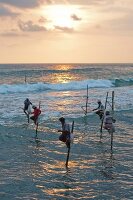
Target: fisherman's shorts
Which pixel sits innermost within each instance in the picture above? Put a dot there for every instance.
(63, 138)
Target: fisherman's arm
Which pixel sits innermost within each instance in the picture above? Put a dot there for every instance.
(96, 108)
(113, 120)
(64, 132)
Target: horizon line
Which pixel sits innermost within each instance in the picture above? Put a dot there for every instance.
(66, 63)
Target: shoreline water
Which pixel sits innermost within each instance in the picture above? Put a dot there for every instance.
(35, 169)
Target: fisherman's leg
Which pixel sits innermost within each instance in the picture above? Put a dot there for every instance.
(101, 114)
(97, 112)
(36, 121)
(29, 109)
(25, 111)
(62, 138)
(112, 129)
(32, 118)
(68, 140)
(68, 144)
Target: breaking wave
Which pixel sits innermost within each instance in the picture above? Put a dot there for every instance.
(75, 85)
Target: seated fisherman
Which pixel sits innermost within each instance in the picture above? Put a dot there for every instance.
(100, 109)
(109, 122)
(27, 104)
(36, 114)
(65, 136)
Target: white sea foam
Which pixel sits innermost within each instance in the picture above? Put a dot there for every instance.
(75, 85)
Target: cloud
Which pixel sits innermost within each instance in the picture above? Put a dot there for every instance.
(22, 3)
(6, 12)
(50, 1)
(87, 2)
(43, 20)
(36, 3)
(75, 17)
(65, 29)
(29, 26)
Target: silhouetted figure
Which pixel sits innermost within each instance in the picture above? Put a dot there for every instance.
(100, 109)
(65, 136)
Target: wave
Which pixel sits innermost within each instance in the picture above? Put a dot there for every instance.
(34, 87)
(74, 85)
(123, 82)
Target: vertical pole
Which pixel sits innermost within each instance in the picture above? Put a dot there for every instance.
(106, 100)
(112, 116)
(37, 123)
(111, 139)
(113, 102)
(101, 129)
(36, 129)
(69, 146)
(28, 118)
(25, 79)
(67, 156)
(86, 101)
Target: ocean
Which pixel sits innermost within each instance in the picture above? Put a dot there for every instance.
(34, 168)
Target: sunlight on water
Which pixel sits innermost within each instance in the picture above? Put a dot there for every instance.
(63, 74)
(62, 77)
(60, 192)
(63, 67)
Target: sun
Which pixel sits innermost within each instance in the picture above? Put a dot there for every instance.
(60, 15)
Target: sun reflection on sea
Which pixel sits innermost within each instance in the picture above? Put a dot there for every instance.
(63, 67)
(63, 74)
(59, 166)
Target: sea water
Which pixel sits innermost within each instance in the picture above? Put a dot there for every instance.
(34, 168)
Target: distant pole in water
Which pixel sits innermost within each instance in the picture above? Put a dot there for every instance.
(101, 129)
(68, 153)
(86, 106)
(86, 101)
(112, 116)
(25, 79)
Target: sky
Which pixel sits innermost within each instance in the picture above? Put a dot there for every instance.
(66, 31)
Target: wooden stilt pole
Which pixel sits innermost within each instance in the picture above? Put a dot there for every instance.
(37, 123)
(67, 157)
(86, 106)
(68, 153)
(36, 129)
(112, 116)
(86, 102)
(72, 127)
(113, 102)
(111, 140)
(28, 118)
(25, 79)
(101, 129)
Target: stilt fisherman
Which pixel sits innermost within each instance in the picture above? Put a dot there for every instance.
(65, 136)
